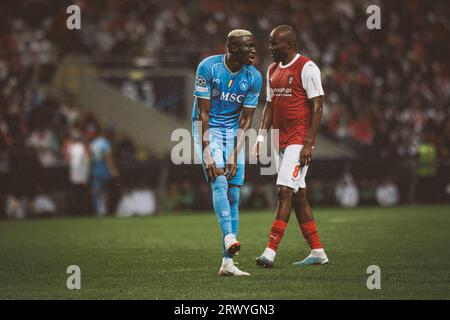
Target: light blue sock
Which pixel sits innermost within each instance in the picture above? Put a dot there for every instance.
(233, 198)
(221, 204)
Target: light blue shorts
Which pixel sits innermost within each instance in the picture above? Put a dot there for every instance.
(222, 143)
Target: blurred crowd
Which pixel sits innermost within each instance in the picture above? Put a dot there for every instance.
(43, 132)
(31, 113)
(387, 91)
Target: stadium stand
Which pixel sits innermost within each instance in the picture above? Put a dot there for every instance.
(387, 93)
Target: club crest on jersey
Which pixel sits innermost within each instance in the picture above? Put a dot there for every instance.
(290, 79)
(243, 85)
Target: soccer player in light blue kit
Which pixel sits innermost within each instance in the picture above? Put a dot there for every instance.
(103, 168)
(226, 94)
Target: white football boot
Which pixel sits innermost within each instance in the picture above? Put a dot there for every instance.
(229, 269)
(266, 260)
(316, 257)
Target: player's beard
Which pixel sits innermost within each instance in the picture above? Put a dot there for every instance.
(278, 56)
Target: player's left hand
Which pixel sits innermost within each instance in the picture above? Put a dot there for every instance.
(231, 167)
(306, 154)
(230, 170)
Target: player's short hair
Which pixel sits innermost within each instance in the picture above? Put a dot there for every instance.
(235, 35)
(239, 33)
(288, 33)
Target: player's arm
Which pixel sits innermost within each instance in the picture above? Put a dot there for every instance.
(266, 121)
(202, 90)
(244, 124)
(316, 105)
(204, 106)
(313, 87)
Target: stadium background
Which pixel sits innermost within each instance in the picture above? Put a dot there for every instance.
(129, 70)
(130, 67)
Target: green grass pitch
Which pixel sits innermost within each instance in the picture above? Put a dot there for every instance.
(178, 256)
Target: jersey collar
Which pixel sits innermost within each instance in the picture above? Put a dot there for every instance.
(290, 63)
(226, 67)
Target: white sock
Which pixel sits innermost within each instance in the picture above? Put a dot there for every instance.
(270, 254)
(226, 260)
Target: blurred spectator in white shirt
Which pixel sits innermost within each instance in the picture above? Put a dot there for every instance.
(46, 145)
(140, 202)
(77, 155)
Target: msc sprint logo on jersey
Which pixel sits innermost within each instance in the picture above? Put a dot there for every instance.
(232, 97)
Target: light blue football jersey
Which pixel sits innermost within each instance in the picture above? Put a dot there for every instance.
(228, 91)
(99, 147)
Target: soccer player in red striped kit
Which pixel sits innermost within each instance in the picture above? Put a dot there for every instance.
(294, 107)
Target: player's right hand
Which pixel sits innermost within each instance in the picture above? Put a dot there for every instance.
(256, 150)
(210, 168)
(306, 154)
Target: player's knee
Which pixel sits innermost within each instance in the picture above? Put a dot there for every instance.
(284, 193)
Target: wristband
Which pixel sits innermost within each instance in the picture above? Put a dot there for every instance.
(260, 138)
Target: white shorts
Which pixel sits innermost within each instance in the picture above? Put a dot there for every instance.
(290, 174)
